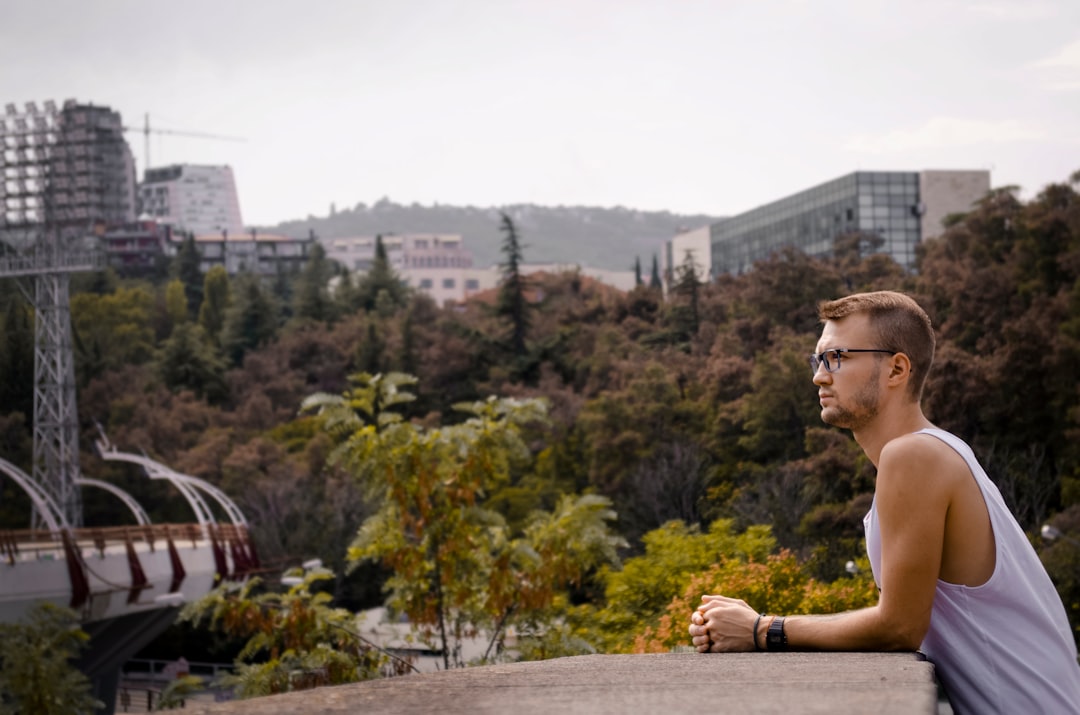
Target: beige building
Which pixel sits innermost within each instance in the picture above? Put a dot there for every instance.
(946, 192)
(695, 244)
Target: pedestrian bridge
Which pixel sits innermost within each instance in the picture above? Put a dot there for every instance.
(782, 683)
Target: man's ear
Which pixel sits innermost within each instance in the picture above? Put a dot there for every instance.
(899, 369)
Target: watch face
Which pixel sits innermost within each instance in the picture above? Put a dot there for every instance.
(775, 637)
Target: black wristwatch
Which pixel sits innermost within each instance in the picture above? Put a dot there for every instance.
(775, 639)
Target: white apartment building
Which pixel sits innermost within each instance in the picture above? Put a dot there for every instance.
(450, 285)
(192, 199)
(437, 264)
(414, 250)
(455, 285)
(440, 265)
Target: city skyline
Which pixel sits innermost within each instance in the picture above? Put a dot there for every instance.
(711, 108)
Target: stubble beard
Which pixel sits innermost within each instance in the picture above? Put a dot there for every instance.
(863, 411)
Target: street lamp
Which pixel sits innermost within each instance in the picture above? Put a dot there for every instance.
(1052, 533)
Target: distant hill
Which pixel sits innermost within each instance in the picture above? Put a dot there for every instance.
(598, 237)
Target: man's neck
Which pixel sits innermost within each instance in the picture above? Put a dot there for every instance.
(873, 437)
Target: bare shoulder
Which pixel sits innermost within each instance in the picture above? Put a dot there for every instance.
(922, 459)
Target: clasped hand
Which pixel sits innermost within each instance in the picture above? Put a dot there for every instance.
(722, 625)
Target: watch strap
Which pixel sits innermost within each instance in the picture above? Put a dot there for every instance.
(775, 638)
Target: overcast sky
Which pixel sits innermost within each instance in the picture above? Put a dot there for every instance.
(695, 107)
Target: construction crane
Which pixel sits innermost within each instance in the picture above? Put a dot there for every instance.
(147, 131)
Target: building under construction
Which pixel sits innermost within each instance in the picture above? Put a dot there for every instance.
(63, 173)
(63, 170)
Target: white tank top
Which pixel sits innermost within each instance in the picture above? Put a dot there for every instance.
(1005, 646)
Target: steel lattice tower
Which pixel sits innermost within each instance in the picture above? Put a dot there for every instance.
(60, 172)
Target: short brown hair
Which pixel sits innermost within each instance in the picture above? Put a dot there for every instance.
(901, 325)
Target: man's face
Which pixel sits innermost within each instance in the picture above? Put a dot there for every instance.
(850, 394)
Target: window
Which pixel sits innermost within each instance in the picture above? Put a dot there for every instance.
(472, 284)
(448, 282)
(425, 283)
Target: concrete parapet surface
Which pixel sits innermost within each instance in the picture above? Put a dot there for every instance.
(879, 683)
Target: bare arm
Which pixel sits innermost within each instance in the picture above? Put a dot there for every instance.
(913, 495)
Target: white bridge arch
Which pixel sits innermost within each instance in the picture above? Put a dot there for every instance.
(192, 488)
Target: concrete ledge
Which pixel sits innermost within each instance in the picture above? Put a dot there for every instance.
(879, 683)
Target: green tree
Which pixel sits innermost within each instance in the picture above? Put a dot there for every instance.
(176, 307)
(687, 285)
(346, 295)
(215, 302)
(190, 362)
(112, 330)
(282, 287)
(381, 277)
(512, 303)
(407, 356)
(187, 267)
(251, 320)
(36, 675)
(311, 299)
(369, 354)
(632, 427)
(294, 640)
(654, 277)
(637, 271)
(455, 564)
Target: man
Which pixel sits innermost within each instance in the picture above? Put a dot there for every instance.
(958, 578)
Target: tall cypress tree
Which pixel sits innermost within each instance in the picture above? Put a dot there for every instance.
(187, 267)
(312, 296)
(654, 279)
(215, 303)
(511, 302)
(688, 285)
(381, 277)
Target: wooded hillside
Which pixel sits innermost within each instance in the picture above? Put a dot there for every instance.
(597, 237)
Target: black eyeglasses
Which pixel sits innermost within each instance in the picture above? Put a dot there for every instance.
(831, 358)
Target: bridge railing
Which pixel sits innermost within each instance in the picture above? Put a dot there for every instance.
(29, 544)
(233, 551)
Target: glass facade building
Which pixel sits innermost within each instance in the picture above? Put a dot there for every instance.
(887, 204)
